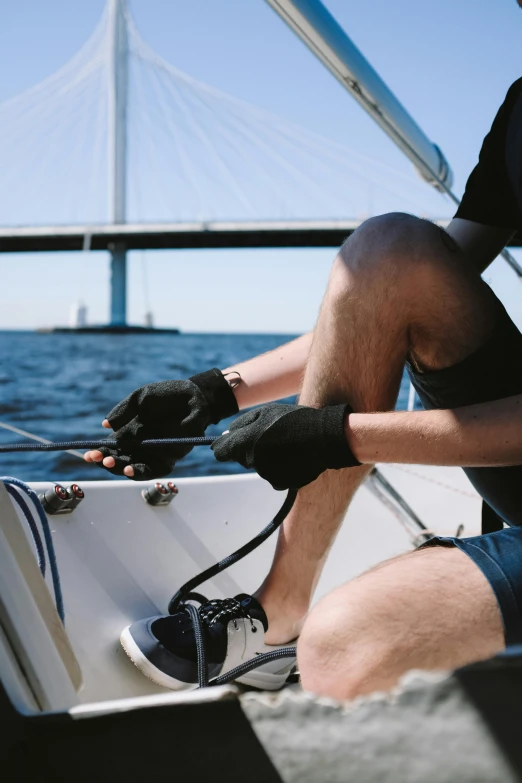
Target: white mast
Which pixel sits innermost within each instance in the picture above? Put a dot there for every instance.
(117, 152)
(320, 32)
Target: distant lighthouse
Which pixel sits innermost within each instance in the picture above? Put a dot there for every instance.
(78, 315)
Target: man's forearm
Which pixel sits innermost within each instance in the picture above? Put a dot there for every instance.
(475, 436)
(273, 375)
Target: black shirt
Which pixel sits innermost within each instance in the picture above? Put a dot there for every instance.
(493, 194)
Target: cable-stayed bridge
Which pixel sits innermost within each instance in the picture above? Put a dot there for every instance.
(121, 150)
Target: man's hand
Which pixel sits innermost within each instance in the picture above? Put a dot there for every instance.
(288, 445)
(168, 409)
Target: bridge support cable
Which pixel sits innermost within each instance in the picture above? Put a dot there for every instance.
(312, 153)
(188, 169)
(144, 154)
(315, 149)
(243, 108)
(240, 143)
(252, 162)
(88, 53)
(209, 145)
(53, 116)
(92, 193)
(245, 130)
(262, 122)
(253, 125)
(130, 139)
(219, 129)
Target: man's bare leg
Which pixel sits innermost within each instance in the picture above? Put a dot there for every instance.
(430, 609)
(397, 287)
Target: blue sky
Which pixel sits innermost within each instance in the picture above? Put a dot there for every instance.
(450, 63)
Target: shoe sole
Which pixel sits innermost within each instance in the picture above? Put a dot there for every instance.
(148, 669)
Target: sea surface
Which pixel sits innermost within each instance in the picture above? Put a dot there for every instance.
(61, 386)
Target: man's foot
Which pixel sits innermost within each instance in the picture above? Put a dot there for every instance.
(164, 648)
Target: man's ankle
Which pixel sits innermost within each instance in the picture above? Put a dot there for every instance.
(285, 622)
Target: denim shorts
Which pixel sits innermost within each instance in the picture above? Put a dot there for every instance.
(494, 371)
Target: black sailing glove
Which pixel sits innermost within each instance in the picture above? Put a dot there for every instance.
(168, 409)
(288, 445)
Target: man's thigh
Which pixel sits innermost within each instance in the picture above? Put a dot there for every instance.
(430, 609)
(438, 609)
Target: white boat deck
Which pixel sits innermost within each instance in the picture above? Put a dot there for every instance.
(121, 560)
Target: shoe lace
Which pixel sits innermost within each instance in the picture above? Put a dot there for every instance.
(222, 609)
(210, 611)
(207, 615)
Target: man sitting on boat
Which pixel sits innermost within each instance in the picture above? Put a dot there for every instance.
(401, 291)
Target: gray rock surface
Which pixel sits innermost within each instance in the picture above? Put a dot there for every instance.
(430, 730)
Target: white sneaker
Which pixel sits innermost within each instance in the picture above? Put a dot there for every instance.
(164, 648)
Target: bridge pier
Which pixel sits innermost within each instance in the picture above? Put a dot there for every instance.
(117, 157)
(118, 284)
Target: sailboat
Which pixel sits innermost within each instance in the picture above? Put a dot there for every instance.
(74, 708)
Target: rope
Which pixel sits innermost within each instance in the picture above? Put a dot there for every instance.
(10, 483)
(259, 660)
(239, 554)
(97, 444)
(201, 649)
(181, 598)
(180, 602)
(37, 539)
(32, 436)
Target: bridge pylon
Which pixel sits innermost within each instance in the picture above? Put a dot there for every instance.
(117, 157)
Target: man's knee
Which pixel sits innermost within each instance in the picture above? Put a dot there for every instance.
(392, 248)
(341, 650)
(410, 272)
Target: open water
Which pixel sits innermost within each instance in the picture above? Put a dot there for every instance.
(61, 386)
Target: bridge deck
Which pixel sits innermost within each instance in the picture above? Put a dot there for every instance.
(152, 236)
